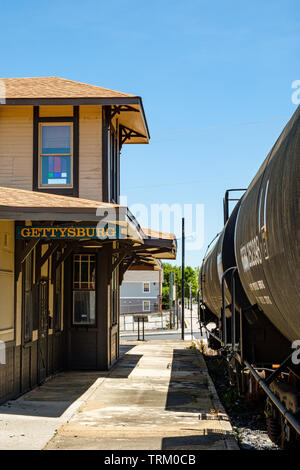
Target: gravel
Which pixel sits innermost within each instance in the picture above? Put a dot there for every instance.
(247, 420)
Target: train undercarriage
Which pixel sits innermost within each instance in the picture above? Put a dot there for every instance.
(261, 368)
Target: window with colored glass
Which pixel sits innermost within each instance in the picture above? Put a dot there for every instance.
(56, 155)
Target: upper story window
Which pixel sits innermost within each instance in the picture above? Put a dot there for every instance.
(146, 286)
(56, 155)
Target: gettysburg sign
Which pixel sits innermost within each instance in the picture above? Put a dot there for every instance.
(68, 232)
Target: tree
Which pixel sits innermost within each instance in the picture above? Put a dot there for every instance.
(191, 276)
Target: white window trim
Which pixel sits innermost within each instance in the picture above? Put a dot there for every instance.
(146, 309)
(146, 282)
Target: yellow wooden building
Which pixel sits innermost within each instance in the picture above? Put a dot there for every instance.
(65, 242)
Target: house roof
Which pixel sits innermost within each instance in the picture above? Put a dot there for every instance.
(37, 91)
(55, 87)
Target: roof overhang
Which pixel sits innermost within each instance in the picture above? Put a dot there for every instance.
(44, 209)
(58, 91)
(130, 110)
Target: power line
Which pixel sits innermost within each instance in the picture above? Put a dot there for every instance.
(163, 184)
(220, 126)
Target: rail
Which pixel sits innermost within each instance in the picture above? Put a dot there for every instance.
(253, 370)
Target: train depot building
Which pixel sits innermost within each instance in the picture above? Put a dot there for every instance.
(65, 242)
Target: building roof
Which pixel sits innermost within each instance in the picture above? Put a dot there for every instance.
(21, 204)
(38, 91)
(156, 234)
(21, 198)
(55, 87)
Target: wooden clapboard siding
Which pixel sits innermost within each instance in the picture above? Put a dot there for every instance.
(90, 152)
(56, 111)
(7, 280)
(16, 146)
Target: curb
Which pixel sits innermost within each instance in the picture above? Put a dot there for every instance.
(230, 440)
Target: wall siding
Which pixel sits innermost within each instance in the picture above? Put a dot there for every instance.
(6, 280)
(90, 152)
(16, 146)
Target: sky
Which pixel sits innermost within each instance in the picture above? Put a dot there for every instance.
(215, 78)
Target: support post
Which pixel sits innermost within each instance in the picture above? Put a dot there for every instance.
(182, 282)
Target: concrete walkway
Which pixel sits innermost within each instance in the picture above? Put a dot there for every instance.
(158, 397)
(29, 422)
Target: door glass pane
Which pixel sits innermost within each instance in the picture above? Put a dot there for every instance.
(56, 139)
(84, 307)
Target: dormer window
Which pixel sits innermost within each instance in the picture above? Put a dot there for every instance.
(56, 155)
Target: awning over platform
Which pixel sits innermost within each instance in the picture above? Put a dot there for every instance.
(52, 216)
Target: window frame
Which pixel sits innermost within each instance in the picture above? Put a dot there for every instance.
(114, 296)
(146, 291)
(148, 309)
(113, 164)
(77, 289)
(58, 295)
(40, 154)
(29, 259)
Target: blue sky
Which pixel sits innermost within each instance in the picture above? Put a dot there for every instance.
(215, 78)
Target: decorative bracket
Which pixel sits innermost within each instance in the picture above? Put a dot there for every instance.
(119, 108)
(126, 134)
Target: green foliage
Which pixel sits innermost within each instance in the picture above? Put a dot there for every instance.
(191, 276)
(231, 395)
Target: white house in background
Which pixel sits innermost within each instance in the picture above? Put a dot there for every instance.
(141, 290)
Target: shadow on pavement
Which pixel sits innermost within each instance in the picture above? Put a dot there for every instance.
(58, 393)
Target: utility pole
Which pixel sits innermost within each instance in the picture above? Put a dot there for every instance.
(171, 298)
(182, 282)
(191, 307)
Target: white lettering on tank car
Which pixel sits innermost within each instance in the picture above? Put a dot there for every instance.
(265, 300)
(244, 259)
(250, 254)
(259, 285)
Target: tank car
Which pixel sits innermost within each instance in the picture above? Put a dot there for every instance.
(250, 284)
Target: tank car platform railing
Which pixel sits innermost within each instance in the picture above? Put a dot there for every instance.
(235, 346)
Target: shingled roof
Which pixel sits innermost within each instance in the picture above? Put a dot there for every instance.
(21, 204)
(55, 87)
(18, 204)
(38, 91)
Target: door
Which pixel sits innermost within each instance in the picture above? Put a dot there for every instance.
(43, 330)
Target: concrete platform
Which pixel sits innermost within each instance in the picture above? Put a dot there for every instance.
(158, 397)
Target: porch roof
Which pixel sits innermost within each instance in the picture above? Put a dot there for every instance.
(37, 91)
(159, 245)
(20, 205)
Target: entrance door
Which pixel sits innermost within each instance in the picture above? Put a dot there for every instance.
(43, 330)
